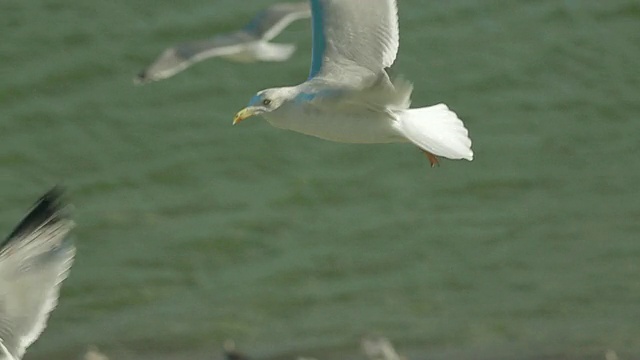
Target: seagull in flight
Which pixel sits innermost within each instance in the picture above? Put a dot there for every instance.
(379, 348)
(250, 44)
(34, 260)
(349, 96)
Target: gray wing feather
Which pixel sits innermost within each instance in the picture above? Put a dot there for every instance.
(181, 56)
(33, 264)
(271, 21)
(218, 46)
(361, 38)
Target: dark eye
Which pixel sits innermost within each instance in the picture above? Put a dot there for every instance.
(266, 102)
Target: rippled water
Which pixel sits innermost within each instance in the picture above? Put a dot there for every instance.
(191, 231)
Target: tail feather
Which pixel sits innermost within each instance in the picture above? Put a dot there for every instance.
(437, 130)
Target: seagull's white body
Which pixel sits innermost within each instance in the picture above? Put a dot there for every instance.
(250, 44)
(349, 121)
(349, 96)
(34, 260)
(367, 127)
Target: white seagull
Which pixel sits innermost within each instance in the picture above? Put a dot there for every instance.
(349, 96)
(34, 260)
(379, 348)
(249, 44)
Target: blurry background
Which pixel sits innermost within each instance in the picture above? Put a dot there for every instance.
(191, 231)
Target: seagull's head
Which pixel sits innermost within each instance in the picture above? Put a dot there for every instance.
(265, 101)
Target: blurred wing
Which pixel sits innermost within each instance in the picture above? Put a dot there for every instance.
(177, 58)
(353, 37)
(379, 348)
(34, 260)
(271, 21)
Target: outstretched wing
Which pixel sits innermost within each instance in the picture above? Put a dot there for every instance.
(181, 56)
(271, 21)
(34, 260)
(353, 38)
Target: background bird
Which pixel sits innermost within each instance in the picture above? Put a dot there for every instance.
(34, 260)
(349, 96)
(379, 348)
(249, 44)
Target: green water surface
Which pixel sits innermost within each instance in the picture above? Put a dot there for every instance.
(191, 231)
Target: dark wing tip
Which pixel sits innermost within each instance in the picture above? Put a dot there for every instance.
(140, 78)
(46, 209)
(231, 353)
(52, 196)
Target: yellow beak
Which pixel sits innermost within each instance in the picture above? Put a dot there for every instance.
(243, 114)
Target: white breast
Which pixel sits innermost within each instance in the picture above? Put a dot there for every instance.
(357, 128)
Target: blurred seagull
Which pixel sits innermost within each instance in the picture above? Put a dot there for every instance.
(349, 96)
(93, 353)
(247, 45)
(34, 260)
(379, 348)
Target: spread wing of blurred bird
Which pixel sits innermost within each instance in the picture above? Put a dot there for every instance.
(34, 260)
(250, 44)
(349, 96)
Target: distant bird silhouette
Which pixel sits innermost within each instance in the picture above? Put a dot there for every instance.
(34, 260)
(249, 44)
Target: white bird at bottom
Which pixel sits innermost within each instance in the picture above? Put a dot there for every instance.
(34, 260)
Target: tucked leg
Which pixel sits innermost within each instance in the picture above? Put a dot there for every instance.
(433, 160)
